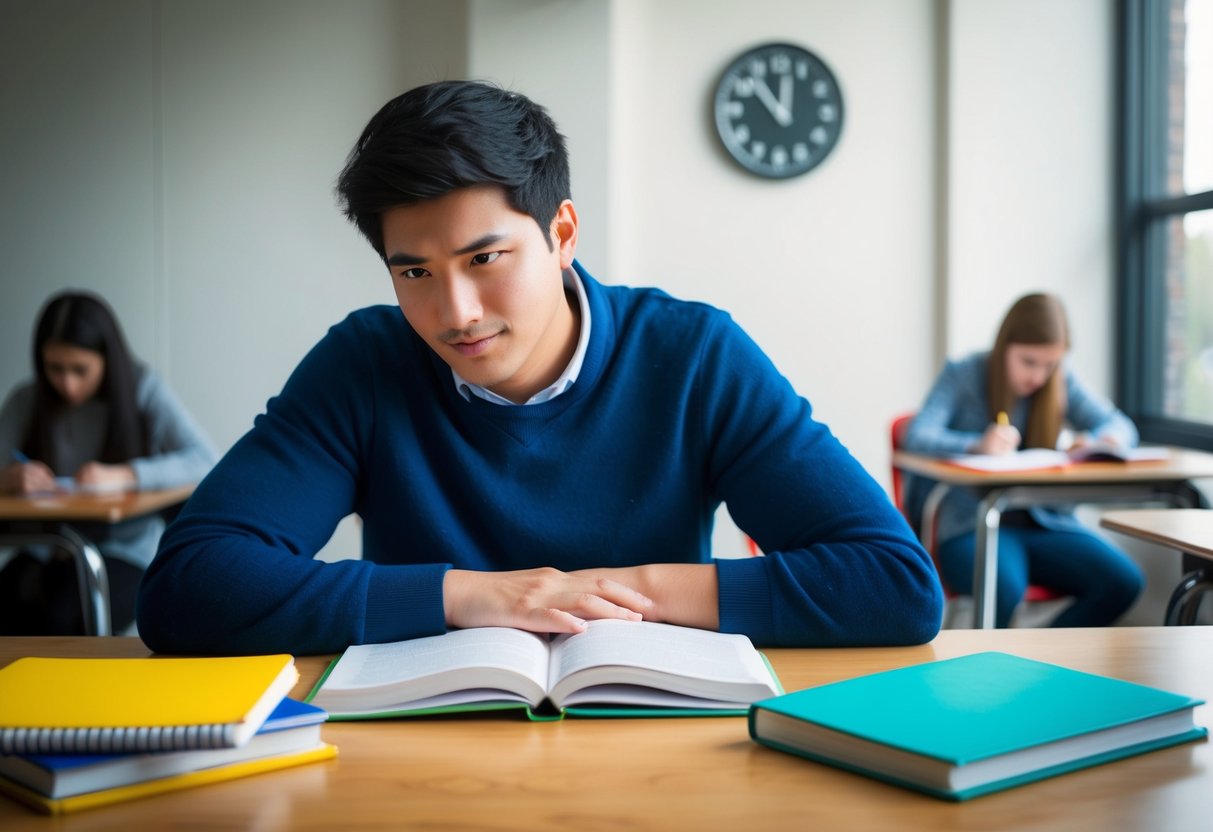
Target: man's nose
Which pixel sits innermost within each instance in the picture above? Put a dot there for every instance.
(461, 303)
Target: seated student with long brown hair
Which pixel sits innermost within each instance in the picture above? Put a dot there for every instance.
(94, 415)
(1024, 377)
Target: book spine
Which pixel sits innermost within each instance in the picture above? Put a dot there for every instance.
(115, 740)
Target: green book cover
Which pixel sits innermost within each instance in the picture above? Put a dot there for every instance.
(963, 727)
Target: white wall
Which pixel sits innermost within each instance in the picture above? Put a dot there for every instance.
(179, 156)
(1031, 184)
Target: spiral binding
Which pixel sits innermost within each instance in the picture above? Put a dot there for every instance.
(115, 740)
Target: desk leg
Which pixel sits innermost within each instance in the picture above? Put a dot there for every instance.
(1185, 600)
(985, 560)
(90, 573)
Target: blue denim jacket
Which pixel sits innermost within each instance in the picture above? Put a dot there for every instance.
(954, 417)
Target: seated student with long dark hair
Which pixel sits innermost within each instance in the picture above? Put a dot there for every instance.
(1024, 380)
(95, 415)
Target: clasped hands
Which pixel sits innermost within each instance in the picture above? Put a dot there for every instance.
(547, 600)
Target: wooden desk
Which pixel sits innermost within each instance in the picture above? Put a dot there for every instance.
(1188, 530)
(501, 773)
(47, 520)
(1090, 482)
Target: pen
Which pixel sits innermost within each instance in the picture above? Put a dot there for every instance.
(1003, 419)
(20, 457)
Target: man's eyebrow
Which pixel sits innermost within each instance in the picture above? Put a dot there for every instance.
(403, 258)
(486, 240)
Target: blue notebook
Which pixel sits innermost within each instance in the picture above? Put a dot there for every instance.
(964, 727)
(293, 726)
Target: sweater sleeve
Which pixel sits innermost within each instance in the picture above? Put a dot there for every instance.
(14, 420)
(236, 572)
(933, 431)
(1087, 411)
(179, 450)
(841, 565)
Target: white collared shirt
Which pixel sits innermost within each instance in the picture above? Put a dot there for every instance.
(565, 381)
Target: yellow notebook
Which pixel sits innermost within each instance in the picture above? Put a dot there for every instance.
(91, 800)
(103, 706)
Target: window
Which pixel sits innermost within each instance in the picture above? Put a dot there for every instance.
(1166, 219)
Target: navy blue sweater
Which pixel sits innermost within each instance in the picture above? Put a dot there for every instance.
(674, 411)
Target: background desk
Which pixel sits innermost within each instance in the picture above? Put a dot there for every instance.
(499, 773)
(1188, 530)
(47, 520)
(1091, 482)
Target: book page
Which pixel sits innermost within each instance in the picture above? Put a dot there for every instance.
(680, 660)
(397, 674)
(1102, 451)
(1031, 459)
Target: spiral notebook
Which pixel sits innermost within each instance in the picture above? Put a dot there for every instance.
(101, 706)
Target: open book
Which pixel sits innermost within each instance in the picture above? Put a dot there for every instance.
(1034, 459)
(613, 668)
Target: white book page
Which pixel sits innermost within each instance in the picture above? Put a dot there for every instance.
(392, 676)
(680, 660)
(1028, 460)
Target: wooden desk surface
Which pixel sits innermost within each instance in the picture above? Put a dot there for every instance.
(500, 773)
(1187, 529)
(1184, 464)
(100, 508)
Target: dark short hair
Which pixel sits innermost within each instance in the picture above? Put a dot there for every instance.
(449, 135)
(85, 320)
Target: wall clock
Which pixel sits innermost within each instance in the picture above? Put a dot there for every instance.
(778, 110)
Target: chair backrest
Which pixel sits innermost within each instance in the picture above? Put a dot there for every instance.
(897, 432)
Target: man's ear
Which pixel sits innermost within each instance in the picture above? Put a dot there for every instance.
(564, 232)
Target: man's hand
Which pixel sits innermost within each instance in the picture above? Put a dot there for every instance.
(27, 478)
(541, 600)
(683, 593)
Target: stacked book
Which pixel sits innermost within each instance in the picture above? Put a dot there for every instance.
(81, 733)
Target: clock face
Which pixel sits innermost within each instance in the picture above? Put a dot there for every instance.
(778, 110)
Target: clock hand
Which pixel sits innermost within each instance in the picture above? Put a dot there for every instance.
(785, 97)
(782, 117)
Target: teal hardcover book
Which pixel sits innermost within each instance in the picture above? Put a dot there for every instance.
(964, 727)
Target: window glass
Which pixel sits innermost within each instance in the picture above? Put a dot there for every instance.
(1197, 84)
(1188, 329)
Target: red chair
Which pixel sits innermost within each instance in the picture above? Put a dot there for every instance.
(897, 430)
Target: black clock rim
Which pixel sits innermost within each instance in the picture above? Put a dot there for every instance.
(740, 58)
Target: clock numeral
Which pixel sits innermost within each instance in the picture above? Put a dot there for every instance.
(781, 64)
(758, 149)
(742, 134)
(758, 69)
(743, 87)
(734, 109)
(802, 70)
(779, 156)
(827, 112)
(818, 135)
(821, 89)
(800, 153)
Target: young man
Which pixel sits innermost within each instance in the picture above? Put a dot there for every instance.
(526, 447)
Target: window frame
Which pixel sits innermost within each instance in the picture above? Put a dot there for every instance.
(1143, 209)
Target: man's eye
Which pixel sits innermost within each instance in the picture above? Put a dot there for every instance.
(485, 258)
(413, 274)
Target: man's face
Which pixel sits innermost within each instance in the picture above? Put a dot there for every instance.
(478, 282)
